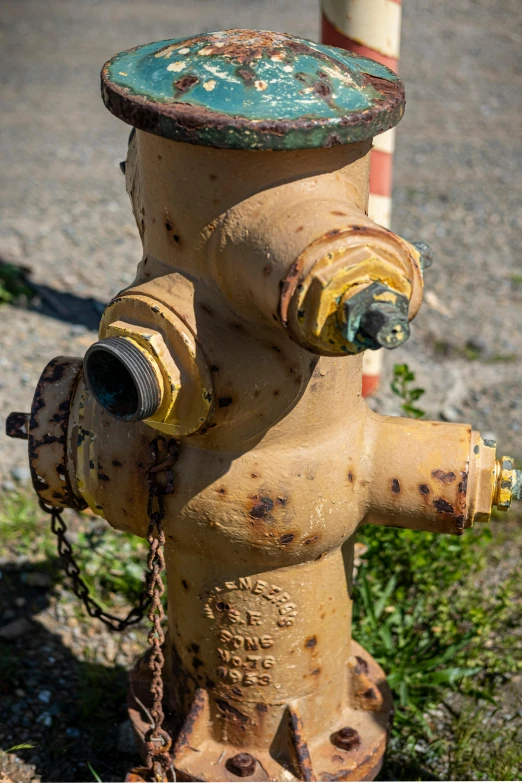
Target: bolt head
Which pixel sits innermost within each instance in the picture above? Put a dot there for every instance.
(242, 764)
(346, 738)
(376, 316)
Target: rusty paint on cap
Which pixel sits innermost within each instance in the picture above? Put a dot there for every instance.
(251, 89)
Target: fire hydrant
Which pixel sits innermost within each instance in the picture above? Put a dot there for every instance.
(262, 282)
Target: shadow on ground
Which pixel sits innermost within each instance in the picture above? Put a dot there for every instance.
(65, 306)
(72, 711)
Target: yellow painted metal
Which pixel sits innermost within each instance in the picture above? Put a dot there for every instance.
(280, 460)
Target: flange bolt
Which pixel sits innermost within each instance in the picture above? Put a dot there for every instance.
(121, 377)
(242, 764)
(346, 738)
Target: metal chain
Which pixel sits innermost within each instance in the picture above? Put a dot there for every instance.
(157, 740)
(79, 588)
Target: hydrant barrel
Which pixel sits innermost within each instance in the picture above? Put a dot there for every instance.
(229, 371)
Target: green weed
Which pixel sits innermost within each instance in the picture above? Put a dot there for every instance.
(112, 563)
(13, 283)
(401, 386)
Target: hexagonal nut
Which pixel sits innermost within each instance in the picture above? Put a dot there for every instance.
(318, 301)
(188, 390)
(506, 481)
(484, 470)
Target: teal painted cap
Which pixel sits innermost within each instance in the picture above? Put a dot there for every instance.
(251, 90)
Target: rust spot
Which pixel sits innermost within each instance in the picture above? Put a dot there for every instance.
(222, 491)
(197, 663)
(300, 228)
(103, 477)
(350, 478)
(311, 641)
(260, 707)
(338, 212)
(194, 647)
(459, 521)
(185, 584)
(287, 538)
(185, 735)
(184, 84)
(316, 672)
(231, 713)
(361, 667)
(395, 486)
(300, 746)
(424, 489)
(369, 694)
(224, 402)
(463, 485)
(213, 177)
(261, 509)
(446, 478)
(311, 540)
(117, 463)
(442, 506)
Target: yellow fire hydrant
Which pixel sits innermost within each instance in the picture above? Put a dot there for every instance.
(240, 343)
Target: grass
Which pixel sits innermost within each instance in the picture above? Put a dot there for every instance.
(112, 563)
(440, 614)
(13, 284)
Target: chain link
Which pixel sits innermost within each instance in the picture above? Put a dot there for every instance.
(162, 456)
(79, 588)
(158, 740)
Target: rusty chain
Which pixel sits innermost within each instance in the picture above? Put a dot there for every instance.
(157, 740)
(79, 588)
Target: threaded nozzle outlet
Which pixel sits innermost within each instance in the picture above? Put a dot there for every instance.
(121, 379)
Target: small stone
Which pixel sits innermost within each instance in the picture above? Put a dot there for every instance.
(8, 486)
(20, 693)
(21, 474)
(25, 378)
(19, 601)
(76, 330)
(15, 629)
(45, 696)
(476, 344)
(37, 579)
(451, 413)
(70, 731)
(46, 719)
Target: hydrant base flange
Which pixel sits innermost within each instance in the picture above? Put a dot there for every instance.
(292, 755)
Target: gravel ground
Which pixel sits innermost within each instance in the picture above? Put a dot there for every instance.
(65, 215)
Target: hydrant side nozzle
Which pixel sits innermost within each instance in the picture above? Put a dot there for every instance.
(121, 377)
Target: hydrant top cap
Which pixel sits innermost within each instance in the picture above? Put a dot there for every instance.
(252, 90)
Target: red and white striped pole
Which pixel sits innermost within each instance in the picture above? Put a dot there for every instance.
(371, 28)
